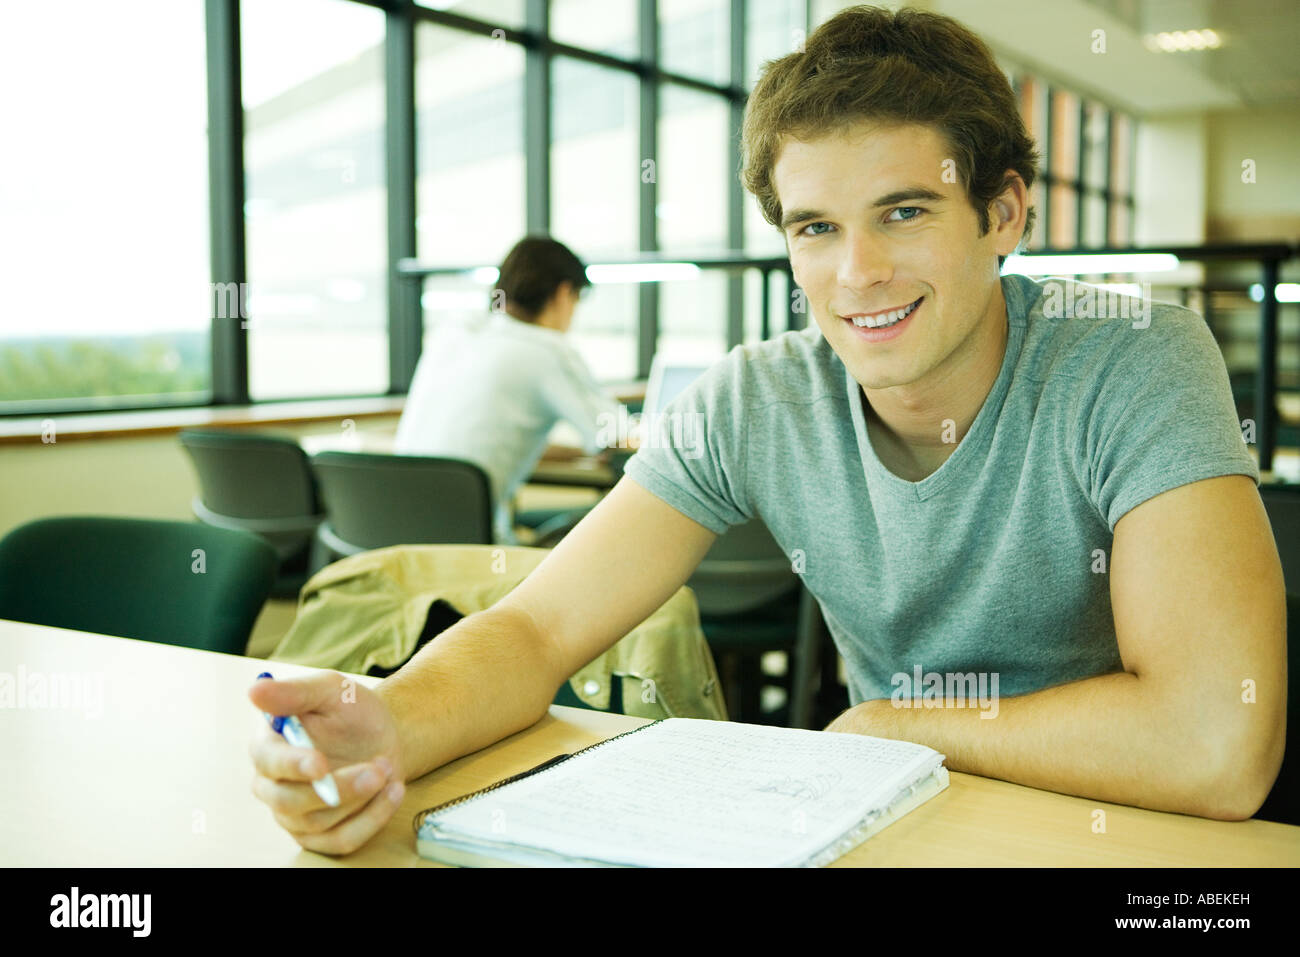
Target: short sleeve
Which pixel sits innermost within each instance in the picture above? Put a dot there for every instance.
(1161, 416)
(693, 454)
(573, 395)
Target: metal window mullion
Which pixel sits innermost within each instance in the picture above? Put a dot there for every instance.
(229, 338)
(537, 122)
(1110, 174)
(735, 194)
(647, 197)
(405, 323)
(1132, 179)
(1080, 190)
(1266, 372)
(1049, 174)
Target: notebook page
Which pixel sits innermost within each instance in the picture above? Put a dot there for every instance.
(692, 792)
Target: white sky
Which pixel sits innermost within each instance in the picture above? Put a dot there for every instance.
(103, 178)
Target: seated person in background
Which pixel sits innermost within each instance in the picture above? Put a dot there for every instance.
(490, 390)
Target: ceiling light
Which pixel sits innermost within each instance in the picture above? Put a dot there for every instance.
(1181, 41)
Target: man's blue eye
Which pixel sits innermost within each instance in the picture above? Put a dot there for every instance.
(915, 209)
(813, 225)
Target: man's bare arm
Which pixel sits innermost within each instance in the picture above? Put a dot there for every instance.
(496, 672)
(1197, 594)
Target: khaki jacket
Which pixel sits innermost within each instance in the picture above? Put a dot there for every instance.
(370, 609)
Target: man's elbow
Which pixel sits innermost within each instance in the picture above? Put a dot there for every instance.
(1246, 777)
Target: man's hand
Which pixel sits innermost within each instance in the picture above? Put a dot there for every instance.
(356, 741)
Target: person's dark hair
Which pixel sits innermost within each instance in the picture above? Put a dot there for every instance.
(909, 66)
(530, 274)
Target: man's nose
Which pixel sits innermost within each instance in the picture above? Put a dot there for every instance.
(864, 261)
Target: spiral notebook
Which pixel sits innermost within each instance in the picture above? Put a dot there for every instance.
(686, 792)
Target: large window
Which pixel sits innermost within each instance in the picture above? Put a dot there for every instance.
(470, 162)
(286, 158)
(1084, 196)
(314, 198)
(691, 216)
(104, 205)
(694, 38)
(596, 176)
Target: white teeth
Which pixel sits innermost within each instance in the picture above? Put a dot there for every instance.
(885, 319)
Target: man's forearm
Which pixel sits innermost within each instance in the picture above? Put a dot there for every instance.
(1106, 738)
(481, 680)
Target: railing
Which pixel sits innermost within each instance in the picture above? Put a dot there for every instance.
(1269, 256)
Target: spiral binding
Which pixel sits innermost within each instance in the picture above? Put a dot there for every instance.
(851, 839)
(420, 816)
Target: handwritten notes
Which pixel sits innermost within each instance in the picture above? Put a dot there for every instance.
(689, 792)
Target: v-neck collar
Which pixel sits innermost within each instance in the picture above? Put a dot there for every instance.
(879, 478)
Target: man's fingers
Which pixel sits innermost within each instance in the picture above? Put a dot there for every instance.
(277, 759)
(348, 835)
(296, 695)
(300, 803)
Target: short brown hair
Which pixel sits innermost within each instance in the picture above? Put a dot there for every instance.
(909, 66)
(532, 271)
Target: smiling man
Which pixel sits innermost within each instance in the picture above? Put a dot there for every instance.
(1061, 509)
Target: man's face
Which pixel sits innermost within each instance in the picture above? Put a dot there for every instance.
(872, 226)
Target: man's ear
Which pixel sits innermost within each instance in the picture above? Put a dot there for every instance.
(1009, 211)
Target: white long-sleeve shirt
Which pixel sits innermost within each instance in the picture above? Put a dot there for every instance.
(489, 390)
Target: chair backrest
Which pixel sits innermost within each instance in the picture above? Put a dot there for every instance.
(178, 583)
(1282, 502)
(1283, 803)
(744, 569)
(255, 482)
(374, 501)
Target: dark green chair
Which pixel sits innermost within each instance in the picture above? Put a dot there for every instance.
(752, 602)
(1282, 503)
(178, 583)
(375, 501)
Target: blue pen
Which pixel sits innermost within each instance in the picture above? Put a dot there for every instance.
(291, 730)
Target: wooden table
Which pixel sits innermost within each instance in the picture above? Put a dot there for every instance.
(160, 777)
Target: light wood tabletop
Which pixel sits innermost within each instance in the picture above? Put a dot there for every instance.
(144, 762)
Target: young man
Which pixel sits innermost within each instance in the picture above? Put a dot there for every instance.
(490, 390)
(971, 484)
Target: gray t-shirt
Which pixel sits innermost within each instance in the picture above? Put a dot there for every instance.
(991, 563)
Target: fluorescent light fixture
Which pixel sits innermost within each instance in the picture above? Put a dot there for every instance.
(1282, 292)
(612, 273)
(641, 272)
(281, 304)
(1087, 265)
(1123, 288)
(451, 300)
(1181, 41)
(346, 290)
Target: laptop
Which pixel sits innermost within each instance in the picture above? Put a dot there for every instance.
(668, 380)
